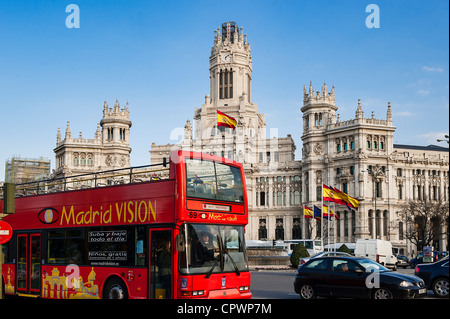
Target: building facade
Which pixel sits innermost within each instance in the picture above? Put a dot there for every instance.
(357, 156)
(23, 170)
(108, 150)
(272, 174)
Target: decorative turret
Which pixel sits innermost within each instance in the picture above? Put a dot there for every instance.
(58, 136)
(68, 131)
(319, 108)
(319, 96)
(389, 114)
(359, 114)
(115, 123)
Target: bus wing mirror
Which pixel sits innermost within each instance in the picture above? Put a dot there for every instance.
(180, 243)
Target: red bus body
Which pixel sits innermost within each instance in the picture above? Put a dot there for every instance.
(108, 242)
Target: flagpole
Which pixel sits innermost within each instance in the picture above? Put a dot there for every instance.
(334, 227)
(328, 225)
(321, 221)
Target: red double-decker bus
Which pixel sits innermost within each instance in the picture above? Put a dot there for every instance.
(142, 236)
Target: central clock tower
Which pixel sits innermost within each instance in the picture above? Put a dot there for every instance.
(230, 66)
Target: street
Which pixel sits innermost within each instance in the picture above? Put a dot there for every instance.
(279, 284)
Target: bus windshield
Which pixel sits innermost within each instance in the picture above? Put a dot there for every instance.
(213, 249)
(211, 180)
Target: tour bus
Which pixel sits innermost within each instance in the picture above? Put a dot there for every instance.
(132, 234)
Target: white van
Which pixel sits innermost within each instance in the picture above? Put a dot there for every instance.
(377, 250)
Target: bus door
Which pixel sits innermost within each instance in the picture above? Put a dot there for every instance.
(161, 270)
(28, 264)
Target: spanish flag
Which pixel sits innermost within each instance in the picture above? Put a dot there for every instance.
(328, 213)
(308, 212)
(329, 194)
(225, 120)
(351, 202)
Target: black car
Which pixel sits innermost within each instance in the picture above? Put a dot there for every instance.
(402, 261)
(435, 276)
(437, 255)
(354, 277)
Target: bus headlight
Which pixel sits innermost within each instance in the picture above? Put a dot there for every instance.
(198, 293)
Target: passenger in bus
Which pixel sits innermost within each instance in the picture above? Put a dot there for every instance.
(164, 265)
(76, 257)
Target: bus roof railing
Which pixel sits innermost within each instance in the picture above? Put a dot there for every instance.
(128, 175)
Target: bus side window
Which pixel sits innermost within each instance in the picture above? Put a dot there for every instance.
(66, 247)
(141, 248)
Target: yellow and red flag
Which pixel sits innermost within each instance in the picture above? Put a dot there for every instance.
(226, 120)
(308, 212)
(347, 199)
(329, 194)
(328, 213)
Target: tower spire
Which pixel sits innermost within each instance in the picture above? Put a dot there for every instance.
(359, 111)
(68, 131)
(389, 114)
(58, 136)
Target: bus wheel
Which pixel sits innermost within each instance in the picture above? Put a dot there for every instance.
(115, 289)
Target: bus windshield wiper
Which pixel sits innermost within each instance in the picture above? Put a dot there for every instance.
(222, 254)
(236, 269)
(208, 274)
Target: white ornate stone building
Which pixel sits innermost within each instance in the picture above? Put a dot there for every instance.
(357, 156)
(109, 149)
(272, 174)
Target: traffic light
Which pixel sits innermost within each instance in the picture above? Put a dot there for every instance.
(9, 198)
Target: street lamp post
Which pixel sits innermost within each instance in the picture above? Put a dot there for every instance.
(443, 140)
(375, 171)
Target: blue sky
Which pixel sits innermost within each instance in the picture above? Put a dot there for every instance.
(155, 55)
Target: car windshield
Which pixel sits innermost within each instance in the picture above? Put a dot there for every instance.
(371, 266)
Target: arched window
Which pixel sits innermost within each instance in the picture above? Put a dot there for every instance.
(226, 84)
(279, 198)
(296, 198)
(279, 229)
(262, 230)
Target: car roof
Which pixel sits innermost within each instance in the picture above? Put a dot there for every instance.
(342, 257)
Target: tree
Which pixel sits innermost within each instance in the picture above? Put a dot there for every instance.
(344, 249)
(425, 221)
(298, 252)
